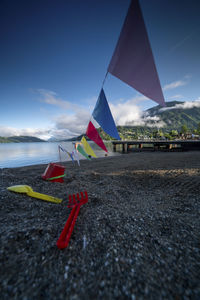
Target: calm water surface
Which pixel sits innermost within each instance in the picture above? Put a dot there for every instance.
(25, 154)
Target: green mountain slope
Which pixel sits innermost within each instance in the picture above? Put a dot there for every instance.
(175, 115)
(20, 139)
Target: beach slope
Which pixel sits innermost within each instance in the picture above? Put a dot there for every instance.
(136, 238)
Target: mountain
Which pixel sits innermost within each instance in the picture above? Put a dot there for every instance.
(20, 139)
(172, 117)
(76, 138)
(176, 114)
(53, 139)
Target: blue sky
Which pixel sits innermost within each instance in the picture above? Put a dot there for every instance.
(54, 56)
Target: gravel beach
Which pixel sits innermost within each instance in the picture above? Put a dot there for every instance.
(138, 237)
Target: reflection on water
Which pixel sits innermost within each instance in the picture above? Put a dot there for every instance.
(24, 154)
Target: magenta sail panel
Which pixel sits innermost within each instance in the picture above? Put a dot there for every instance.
(93, 134)
(132, 60)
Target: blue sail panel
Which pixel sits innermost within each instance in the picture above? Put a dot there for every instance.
(103, 116)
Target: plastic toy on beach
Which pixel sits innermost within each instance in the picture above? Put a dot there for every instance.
(26, 189)
(75, 203)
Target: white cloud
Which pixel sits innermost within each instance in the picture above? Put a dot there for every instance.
(185, 105)
(125, 113)
(188, 76)
(176, 97)
(75, 123)
(51, 98)
(181, 42)
(10, 131)
(128, 113)
(153, 121)
(174, 85)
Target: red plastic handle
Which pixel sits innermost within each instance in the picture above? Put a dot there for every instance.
(64, 238)
(66, 233)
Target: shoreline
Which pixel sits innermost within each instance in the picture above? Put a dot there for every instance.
(115, 156)
(28, 154)
(136, 238)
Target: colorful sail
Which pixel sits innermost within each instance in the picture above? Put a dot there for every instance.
(64, 150)
(103, 116)
(93, 134)
(87, 147)
(81, 150)
(132, 60)
(75, 154)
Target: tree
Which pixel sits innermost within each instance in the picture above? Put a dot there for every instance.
(184, 129)
(198, 128)
(195, 131)
(174, 133)
(167, 136)
(155, 134)
(160, 133)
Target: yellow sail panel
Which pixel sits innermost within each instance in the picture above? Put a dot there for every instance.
(87, 147)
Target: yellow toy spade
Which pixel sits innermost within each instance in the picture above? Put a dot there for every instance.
(25, 189)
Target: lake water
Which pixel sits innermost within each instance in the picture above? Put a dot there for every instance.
(25, 154)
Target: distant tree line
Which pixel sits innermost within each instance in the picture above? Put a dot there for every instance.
(141, 132)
